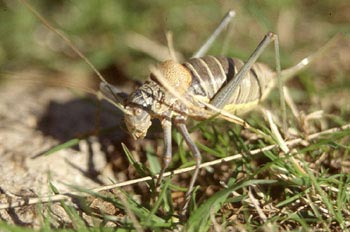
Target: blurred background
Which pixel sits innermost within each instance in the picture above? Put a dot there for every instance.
(122, 38)
(105, 32)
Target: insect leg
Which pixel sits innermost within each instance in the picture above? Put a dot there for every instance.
(166, 124)
(181, 126)
(113, 95)
(224, 22)
(113, 92)
(280, 86)
(222, 98)
(290, 72)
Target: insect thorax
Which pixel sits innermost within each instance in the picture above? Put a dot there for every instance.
(151, 98)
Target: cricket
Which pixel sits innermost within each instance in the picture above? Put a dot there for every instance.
(199, 88)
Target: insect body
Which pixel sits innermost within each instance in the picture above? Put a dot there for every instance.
(177, 91)
(199, 78)
(198, 81)
(199, 88)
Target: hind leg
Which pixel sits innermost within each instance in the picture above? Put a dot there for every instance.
(181, 126)
(224, 22)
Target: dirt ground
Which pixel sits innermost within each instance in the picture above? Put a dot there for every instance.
(35, 119)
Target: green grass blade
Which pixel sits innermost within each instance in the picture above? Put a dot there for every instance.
(140, 168)
(68, 144)
(199, 219)
(154, 164)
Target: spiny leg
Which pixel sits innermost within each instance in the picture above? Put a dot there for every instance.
(181, 126)
(290, 72)
(224, 22)
(222, 98)
(166, 124)
(280, 86)
(170, 42)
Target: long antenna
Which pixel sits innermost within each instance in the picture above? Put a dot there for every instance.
(224, 22)
(65, 38)
(70, 43)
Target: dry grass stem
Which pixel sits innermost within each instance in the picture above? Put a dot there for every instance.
(70, 195)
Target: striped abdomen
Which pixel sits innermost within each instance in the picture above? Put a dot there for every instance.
(210, 73)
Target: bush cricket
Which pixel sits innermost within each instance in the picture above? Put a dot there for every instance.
(200, 88)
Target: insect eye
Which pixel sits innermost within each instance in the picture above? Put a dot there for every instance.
(138, 112)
